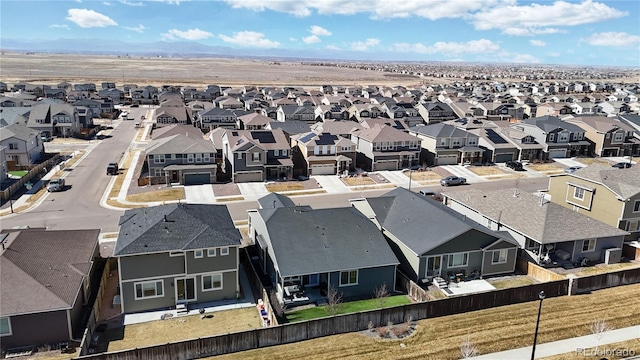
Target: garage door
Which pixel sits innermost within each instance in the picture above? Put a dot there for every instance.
(197, 179)
(500, 158)
(386, 165)
(447, 159)
(249, 176)
(323, 169)
(557, 153)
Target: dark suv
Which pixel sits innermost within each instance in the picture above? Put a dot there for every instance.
(515, 165)
(622, 165)
(112, 169)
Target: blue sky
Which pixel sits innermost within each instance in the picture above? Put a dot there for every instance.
(585, 32)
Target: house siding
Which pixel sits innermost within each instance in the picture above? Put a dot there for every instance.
(368, 280)
(212, 264)
(37, 329)
(227, 291)
(409, 261)
(599, 252)
(147, 266)
(130, 304)
(509, 266)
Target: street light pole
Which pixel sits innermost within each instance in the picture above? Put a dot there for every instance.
(541, 296)
(410, 174)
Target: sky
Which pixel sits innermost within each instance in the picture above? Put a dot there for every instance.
(581, 32)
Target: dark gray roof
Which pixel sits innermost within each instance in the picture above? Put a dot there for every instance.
(549, 123)
(441, 130)
(275, 200)
(43, 270)
(625, 183)
(175, 227)
(8, 115)
(322, 240)
(17, 131)
(420, 223)
(180, 144)
(290, 127)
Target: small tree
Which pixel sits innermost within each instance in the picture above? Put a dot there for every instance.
(467, 349)
(334, 300)
(598, 328)
(381, 293)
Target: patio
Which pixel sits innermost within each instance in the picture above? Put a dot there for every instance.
(467, 287)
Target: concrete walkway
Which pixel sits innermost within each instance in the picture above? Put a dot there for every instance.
(568, 162)
(573, 345)
(331, 184)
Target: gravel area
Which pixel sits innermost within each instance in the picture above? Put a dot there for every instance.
(229, 189)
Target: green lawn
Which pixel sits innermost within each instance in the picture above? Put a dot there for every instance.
(347, 308)
(18, 173)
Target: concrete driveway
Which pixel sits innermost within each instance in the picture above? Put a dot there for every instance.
(199, 194)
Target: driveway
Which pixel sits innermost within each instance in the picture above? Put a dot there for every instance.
(397, 178)
(461, 171)
(199, 194)
(253, 190)
(331, 183)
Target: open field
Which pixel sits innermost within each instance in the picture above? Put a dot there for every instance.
(50, 69)
(491, 330)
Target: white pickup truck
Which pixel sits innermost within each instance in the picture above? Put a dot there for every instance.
(55, 185)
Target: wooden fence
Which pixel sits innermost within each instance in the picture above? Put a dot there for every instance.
(409, 287)
(33, 172)
(604, 281)
(537, 272)
(87, 336)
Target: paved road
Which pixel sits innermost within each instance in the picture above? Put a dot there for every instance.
(78, 207)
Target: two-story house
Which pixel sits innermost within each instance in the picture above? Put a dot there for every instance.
(497, 148)
(176, 255)
(561, 139)
(54, 119)
(295, 113)
(22, 145)
(527, 146)
(445, 144)
(323, 153)
(166, 115)
(606, 194)
(436, 112)
(214, 118)
(256, 155)
(610, 136)
(253, 121)
(181, 159)
(383, 147)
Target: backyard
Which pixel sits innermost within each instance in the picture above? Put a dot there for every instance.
(348, 307)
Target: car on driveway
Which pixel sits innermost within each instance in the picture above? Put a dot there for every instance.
(571, 169)
(622, 165)
(515, 165)
(453, 181)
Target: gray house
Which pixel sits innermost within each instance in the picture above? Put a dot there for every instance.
(45, 285)
(256, 155)
(548, 233)
(176, 254)
(182, 159)
(432, 241)
(23, 145)
(337, 248)
(383, 147)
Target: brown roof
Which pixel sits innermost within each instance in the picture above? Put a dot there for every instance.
(43, 270)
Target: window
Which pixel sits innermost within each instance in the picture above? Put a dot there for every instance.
(588, 245)
(348, 278)
(618, 136)
(636, 206)
(211, 282)
(285, 152)
(499, 256)
(198, 157)
(13, 146)
(633, 225)
(5, 326)
(211, 252)
(578, 193)
(190, 158)
(256, 156)
(149, 289)
(224, 251)
(276, 152)
(551, 137)
(197, 254)
(458, 260)
(176, 253)
(158, 159)
(239, 156)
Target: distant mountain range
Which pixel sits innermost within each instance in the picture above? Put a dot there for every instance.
(170, 49)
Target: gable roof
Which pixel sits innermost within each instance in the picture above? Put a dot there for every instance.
(441, 130)
(180, 144)
(275, 200)
(175, 227)
(550, 123)
(622, 182)
(384, 133)
(17, 131)
(174, 129)
(43, 270)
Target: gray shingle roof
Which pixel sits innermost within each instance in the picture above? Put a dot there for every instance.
(274, 200)
(187, 227)
(313, 241)
(549, 123)
(180, 144)
(623, 182)
(17, 131)
(440, 130)
(546, 223)
(43, 270)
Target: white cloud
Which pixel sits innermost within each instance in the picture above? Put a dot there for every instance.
(311, 39)
(482, 46)
(140, 28)
(172, 2)
(332, 47)
(192, 34)
(293, 39)
(88, 18)
(523, 58)
(319, 31)
(541, 19)
(364, 45)
(615, 39)
(59, 26)
(249, 39)
(537, 42)
(106, 3)
(130, 3)
(569, 51)
(554, 54)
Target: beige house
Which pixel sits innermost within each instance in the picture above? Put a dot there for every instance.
(324, 153)
(610, 136)
(603, 193)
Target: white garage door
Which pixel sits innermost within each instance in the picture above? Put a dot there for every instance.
(557, 153)
(386, 165)
(447, 159)
(323, 169)
(249, 176)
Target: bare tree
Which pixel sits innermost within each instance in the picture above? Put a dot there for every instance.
(334, 300)
(381, 293)
(598, 328)
(467, 349)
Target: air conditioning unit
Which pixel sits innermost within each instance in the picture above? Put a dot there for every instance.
(612, 256)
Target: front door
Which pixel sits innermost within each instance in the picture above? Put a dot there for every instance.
(434, 266)
(174, 176)
(185, 290)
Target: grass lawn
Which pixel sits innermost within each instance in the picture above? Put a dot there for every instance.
(18, 173)
(512, 281)
(602, 268)
(160, 195)
(485, 170)
(491, 330)
(544, 167)
(358, 181)
(236, 198)
(346, 308)
(590, 161)
(286, 186)
(187, 327)
(422, 175)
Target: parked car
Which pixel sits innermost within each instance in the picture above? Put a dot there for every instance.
(45, 138)
(515, 165)
(427, 192)
(572, 169)
(622, 165)
(112, 169)
(452, 181)
(55, 185)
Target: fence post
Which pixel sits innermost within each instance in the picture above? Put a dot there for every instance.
(573, 284)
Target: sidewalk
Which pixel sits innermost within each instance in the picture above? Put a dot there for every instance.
(573, 345)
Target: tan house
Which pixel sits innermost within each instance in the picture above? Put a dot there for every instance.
(324, 153)
(610, 137)
(606, 194)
